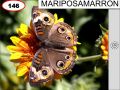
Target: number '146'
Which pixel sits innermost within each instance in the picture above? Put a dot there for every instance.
(13, 5)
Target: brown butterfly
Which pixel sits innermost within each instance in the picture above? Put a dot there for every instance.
(56, 53)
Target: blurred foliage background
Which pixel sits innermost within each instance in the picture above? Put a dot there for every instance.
(88, 75)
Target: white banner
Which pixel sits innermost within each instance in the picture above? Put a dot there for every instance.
(85, 4)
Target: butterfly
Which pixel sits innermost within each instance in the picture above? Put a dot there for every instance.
(56, 54)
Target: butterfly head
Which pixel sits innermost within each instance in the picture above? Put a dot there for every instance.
(42, 17)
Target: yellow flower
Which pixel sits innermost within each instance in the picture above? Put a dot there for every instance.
(104, 46)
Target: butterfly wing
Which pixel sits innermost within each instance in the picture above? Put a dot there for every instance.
(62, 34)
(40, 72)
(42, 22)
(62, 61)
(48, 60)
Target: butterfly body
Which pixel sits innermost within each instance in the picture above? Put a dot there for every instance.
(56, 54)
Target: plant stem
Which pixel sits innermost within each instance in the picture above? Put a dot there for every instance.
(88, 58)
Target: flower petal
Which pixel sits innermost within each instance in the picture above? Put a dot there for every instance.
(21, 71)
(23, 29)
(103, 41)
(60, 20)
(76, 57)
(19, 42)
(75, 48)
(78, 43)
(13, 48)
(105, 57)
(56, 17)
(102, 47)
(29, 64)
(105, 52)
(16, 55)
